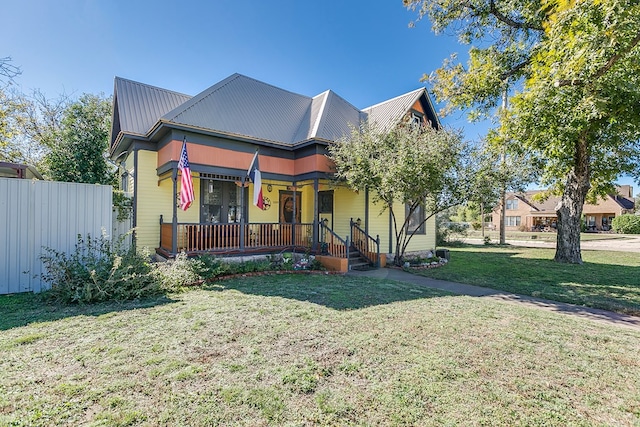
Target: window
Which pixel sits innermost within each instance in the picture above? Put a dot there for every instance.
(512, 204)
(325, 202)
(512, 221)
(124, 183)
(416, 220)
(416, 119)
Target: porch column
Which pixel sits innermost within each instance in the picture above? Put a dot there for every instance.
(293, 219)
(366, 211)
(174, 224)
(242, 211)
(315, 214)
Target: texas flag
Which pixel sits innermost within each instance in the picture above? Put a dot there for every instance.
(254, 174)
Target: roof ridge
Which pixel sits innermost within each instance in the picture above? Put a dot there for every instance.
(394, 98)
(151, 86)
(271, 85)
(323, 106)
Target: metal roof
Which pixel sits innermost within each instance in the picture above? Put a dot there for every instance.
(138, 106)
(388, 113)
(242, 106)
(335, 118)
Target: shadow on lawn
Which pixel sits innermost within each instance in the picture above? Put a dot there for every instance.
(613, 286)
(18, 310)
(333, 291)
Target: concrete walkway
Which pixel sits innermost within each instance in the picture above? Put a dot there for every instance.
(593, 314)
(619, 243)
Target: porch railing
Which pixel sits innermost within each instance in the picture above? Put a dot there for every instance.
(332, 244)
(368, 247)
(227, 238)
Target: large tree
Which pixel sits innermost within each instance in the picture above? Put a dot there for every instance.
(573, 69)
(78, 147)
(424, 168)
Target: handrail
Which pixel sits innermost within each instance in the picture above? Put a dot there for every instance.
(368, 247)
(333, 244)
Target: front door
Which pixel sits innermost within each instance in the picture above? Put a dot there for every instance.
(288, 206)
(221, 201)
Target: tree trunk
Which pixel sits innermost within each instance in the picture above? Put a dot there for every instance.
(569, 210)
(503, 215)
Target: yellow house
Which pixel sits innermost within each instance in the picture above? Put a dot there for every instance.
(303, 209)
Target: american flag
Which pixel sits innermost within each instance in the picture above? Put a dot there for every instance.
(186, 183)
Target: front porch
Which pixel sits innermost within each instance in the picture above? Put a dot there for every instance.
(230, 239)
(235, 238)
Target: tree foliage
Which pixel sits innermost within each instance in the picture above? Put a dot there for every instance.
(78, 146)
(573, 68)
(419, 166)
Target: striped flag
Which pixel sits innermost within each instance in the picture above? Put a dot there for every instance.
(256, 178)
(186, 183)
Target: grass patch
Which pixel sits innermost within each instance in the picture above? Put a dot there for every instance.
(605, 280)
(318, 350)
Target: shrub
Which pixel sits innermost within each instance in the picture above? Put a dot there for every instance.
(476, 225)
(626, 224)
(98, 270)
(450, 233)
(182, 271)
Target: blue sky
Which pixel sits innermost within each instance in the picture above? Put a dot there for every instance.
(364, 51)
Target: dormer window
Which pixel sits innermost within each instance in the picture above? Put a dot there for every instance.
(416, 119)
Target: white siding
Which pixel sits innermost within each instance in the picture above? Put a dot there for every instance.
(38, 214)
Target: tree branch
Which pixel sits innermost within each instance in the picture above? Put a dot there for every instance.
(616, 57)
(515, 69)
(602, 71)
(510, 22)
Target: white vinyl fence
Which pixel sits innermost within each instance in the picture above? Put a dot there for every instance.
(37, 214)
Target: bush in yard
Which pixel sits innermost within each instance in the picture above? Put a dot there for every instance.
(182, 271)
(98, 270)
(626, 224)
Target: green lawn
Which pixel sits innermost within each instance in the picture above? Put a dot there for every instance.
(608, 280)
(312, 350)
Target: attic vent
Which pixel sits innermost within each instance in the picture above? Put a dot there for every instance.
(220, 177)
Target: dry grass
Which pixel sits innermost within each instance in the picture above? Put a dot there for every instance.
(314, 350)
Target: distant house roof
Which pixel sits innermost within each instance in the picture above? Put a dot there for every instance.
(17, 170)
(549, 204)
(626, 203)
(245, 107)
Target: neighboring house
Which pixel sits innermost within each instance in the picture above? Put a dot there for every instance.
(523, 212)
(223, 126)
(17, 170)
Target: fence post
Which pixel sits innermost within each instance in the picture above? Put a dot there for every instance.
(378, 248)
(347, 245)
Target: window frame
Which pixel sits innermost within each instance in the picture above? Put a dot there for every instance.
(422, 229)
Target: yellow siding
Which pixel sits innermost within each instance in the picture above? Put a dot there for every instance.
(419, 242)
(308, 200)
(155, 199)
(347, 204)
(271, 214)
(127, 164)
(379, 224)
